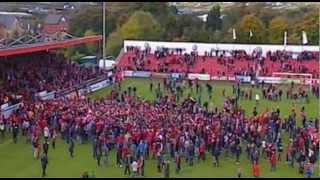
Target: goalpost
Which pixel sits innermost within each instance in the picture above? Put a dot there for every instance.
(300, 78)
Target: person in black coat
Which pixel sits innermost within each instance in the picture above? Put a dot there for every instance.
(2, 129)
(167, 170)
(99, 155)
(71, 148)
(15, 131)
(280, 149)
(216, 153)
(45, 147)
(126, 163)
(44, 163)
(301, 159)
(238, 152)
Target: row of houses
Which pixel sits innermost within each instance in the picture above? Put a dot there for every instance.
(15, 24)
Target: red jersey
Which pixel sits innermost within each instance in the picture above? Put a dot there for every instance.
(273, 159)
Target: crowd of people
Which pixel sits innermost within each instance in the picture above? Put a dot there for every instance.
(236, 62)
(39, 72)
(164, 130)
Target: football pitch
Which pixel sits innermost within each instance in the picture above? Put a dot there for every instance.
(16, 160)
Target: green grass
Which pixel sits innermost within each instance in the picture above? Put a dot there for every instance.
(217, 99)
(16, 160)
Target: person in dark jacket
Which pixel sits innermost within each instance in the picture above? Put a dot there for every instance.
(99, 156)
(126, 163)
(45, 147)
(301, 160)
(238, 152)
(44, 163)
(280, 149)
(216, 153)
(167, 169)
(71, 148)
(177, 162)
(15, 131)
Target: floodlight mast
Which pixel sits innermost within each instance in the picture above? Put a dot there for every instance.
(104, 35)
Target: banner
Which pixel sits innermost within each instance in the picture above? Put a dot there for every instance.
(278, 80)
(204, 77)
(3, 106)
(176, 75)
(99, 85)
(160, 75)
(232, 78)
(141, 74)
(244, 79)
(223, 78)
(44, 95)
(271, 80)
(215, 78)
(128, 73)
(6, 111)
(48, 96)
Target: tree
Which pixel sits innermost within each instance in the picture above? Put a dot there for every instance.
(88, 18)
(155, 8)
(250, 22)
(214, 21)
(232, 16)
(114, 43)
(267, 14)
(111, 24)
(309, 24)
(276, 29)
(190, 34)
(186, 23)
(141, 25)
(170, 25)
(68, 53)
(216, 37)
(91, 47)
(293, 38)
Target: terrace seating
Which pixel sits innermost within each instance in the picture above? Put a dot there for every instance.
(213, 65)
(39, 73)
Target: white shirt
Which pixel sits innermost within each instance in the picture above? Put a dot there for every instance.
(257, 97)
(134, 166)
(310, 152)
(46, 132)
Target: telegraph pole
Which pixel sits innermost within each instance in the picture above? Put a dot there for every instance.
(319, 90)
(104, 35)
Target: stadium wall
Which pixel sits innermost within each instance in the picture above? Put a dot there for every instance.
(207, 77)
